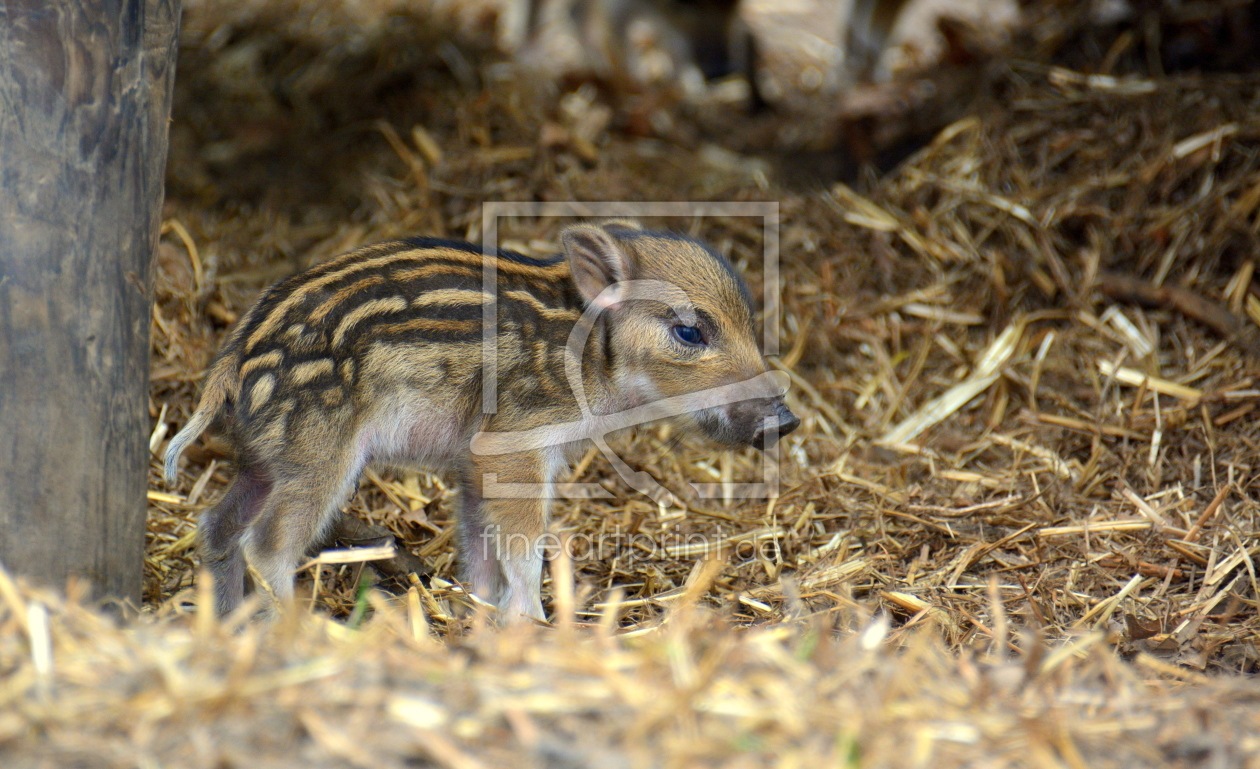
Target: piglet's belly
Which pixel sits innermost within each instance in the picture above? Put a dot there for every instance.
(422, 432)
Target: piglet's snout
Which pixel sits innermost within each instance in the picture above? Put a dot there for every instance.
(777, 422)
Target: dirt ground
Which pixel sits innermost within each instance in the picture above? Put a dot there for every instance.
(1016, 527)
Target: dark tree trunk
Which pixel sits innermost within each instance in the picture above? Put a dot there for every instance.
(85, 92)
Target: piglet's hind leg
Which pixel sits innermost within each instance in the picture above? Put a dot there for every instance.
(220, 530)
(299, 510)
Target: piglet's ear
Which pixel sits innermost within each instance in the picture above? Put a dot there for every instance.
(597, 261)
(626, 225)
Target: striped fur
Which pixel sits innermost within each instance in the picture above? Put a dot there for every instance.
(376, 357)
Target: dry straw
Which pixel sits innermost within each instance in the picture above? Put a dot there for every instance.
(1017, 526)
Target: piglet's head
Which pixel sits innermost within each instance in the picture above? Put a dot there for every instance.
(677, 324)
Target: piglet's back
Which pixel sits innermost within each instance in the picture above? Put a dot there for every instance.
(340, 338)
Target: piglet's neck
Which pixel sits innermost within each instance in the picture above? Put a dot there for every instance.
(601, 382)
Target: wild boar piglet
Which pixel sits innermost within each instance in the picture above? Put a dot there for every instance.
(379, 357)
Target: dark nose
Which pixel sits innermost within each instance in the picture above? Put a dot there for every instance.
(786, 423)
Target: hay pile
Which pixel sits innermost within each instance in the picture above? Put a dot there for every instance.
(1018, 524)
(186, 691)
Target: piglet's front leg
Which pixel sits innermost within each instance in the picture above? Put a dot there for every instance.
(503, 547)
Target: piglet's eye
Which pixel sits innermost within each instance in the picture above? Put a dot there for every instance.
(689, 335)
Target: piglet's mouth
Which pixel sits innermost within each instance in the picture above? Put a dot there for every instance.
(782, 422)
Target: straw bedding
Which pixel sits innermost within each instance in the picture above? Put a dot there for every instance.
(1017, 527)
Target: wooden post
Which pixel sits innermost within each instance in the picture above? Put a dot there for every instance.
(85, 93)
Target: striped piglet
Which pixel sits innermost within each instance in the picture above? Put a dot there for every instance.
(381, 356)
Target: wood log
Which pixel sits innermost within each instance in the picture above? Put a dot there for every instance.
(85, 92)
